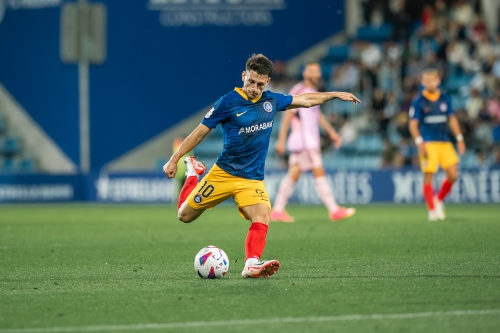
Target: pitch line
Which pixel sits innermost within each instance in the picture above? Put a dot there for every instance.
(202, 324)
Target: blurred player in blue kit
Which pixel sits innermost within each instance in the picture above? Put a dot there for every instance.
(431, 113)
(246, 115)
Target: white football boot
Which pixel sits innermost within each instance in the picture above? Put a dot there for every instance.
(432, 215)
(439, 209)
(260, 269)
(194, 167)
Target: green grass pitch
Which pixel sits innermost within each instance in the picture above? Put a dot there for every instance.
(89, 267)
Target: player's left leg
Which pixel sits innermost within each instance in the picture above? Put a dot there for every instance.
(255, 242)
(451, 177)
(254, 205)
(325, 193)
(448, 159)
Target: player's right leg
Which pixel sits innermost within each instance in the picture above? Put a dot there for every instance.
(429, 166)
(451, 177)
(285, 190)
(428, 192)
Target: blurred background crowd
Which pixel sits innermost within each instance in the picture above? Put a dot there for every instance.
(382, 64)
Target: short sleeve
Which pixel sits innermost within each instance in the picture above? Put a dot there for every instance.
(415, 111)
(216, 115)
(282, 101)
(450, 105)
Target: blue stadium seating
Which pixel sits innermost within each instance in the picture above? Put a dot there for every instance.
(11, 146)
(27, 165)
(337, 54)
(375, 34)
(10, 165)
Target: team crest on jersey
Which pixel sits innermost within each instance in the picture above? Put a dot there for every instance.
(268, 107)
(443, 107)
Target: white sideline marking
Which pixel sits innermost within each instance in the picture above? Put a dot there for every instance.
(354, 317)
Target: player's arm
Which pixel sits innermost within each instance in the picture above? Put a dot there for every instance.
(415, 134)
(189, 143)
(308, 100)
(285, 125)
(332, 133)
(455, 129)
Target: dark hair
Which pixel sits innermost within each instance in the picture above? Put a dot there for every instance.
(260, 64)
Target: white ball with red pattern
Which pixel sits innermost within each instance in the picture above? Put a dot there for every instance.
(211, 263)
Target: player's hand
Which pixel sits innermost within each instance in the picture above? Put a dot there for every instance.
(421, 150)
(461, 147)
(280, 148)
(347, 97)
(337, 140)
(170, 168)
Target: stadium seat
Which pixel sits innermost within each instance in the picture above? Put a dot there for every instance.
(337, 54)
(12, 146)
(10, 165)
(375, 34)
(27, 165)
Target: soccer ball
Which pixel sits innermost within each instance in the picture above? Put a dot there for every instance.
(211, 263)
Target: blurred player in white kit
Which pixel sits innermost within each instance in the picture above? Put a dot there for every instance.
(305, 152)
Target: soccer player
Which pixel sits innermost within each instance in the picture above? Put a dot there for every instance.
(304, 145)
(246, 115)
(431, 113)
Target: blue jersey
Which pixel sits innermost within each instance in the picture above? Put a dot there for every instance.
(432, 116)
(246, 130)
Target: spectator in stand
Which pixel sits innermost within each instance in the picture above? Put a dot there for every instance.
(496, 46)
(494, 107)
(483, 113)
(378, 101)
(441, 15)
(441, 47)
(370, 55)
(388, 154)
(483, 134)
(474, 105)
(496, 133)
(401, 121)
(390, 111)
(401, 21)
(479, 29)
(345, 76)
(465, 127)
(484, 49)
(463, 13)
(348, 131)
(457, 54)
(429, 22)
(495, 68)
(496, 158)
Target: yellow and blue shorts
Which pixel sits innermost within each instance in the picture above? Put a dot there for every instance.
(218, 186)
(438, 154)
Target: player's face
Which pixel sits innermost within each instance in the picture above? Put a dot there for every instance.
(312, 74)
(254, 83)
(431, 81)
